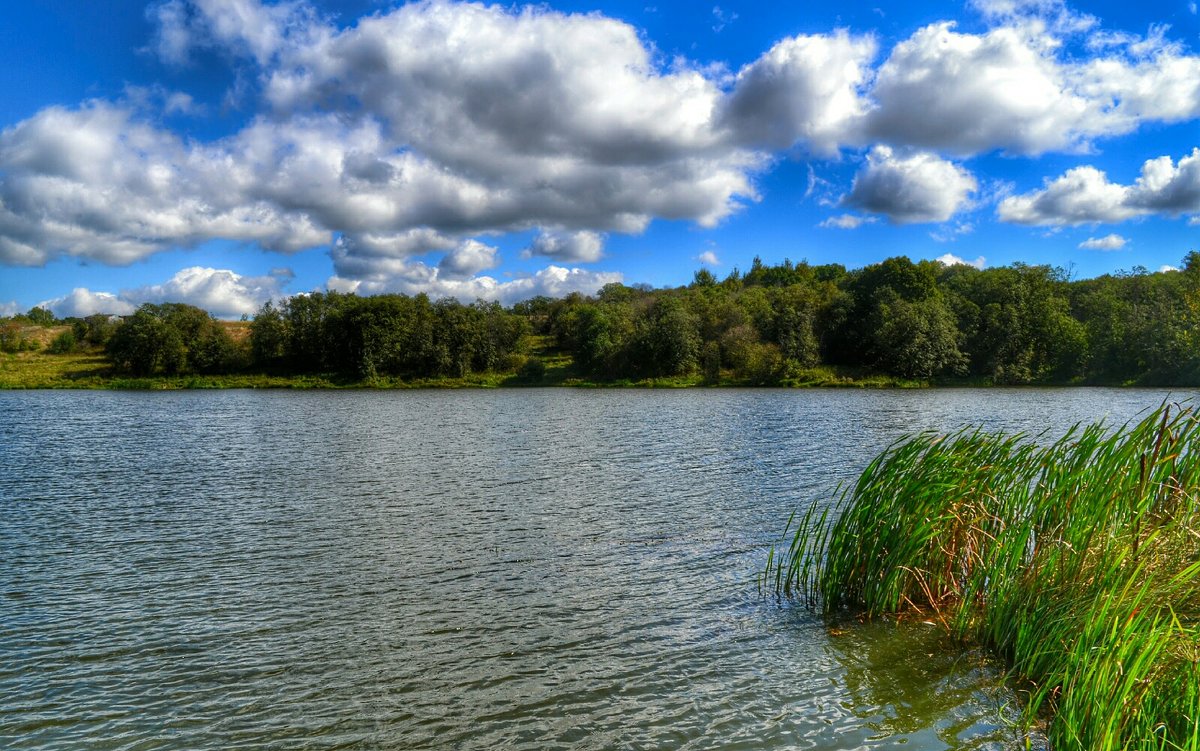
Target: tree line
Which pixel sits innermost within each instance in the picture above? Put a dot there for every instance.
(1016, 324)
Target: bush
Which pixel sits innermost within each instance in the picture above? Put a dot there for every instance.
(534, 369)
(63, 344)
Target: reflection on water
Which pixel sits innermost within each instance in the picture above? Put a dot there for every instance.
(909, 682)
(515, 569)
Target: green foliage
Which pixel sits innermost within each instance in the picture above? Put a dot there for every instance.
(924, 321)
(172, 339)
(917, 339)
(94, 330)
(40, 317)
(892, 322)
(385, 336)
(1076, 562)
(14, 337)
(63, 344)
(704, 278)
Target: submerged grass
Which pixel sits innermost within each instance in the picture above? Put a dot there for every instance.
(1076, 562)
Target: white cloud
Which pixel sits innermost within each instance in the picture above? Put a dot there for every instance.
(1012, 88)
(1166, 267)
(425, 126)
(722, 18)
(420, 126)
(1108, 242)
(1084, 195)
(968, 93)
(805, 88)
(82, 302)
(950, 233)
(248, 26)
(569, 247)
(1054, 14)
(95, 183)
(551, 120)
(418, 278)
(847, 221)
(224, 293)
(9, 309)
(949, 259)
(468, 259)
(708, 258)
(919, 187)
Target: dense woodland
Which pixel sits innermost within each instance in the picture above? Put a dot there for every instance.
(770, 325)
(1009, 325)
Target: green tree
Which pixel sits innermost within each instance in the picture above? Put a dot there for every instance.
(918, 339)
(41, 317)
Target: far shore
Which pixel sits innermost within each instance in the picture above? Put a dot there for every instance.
(93, 370)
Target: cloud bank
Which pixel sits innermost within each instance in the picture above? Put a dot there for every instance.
(433, 126)
(223, 293)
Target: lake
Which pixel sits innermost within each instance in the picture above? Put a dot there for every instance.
(516, 569)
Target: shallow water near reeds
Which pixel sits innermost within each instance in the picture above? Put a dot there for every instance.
(537, 569)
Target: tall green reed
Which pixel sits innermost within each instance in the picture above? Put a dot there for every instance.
(1077, 562)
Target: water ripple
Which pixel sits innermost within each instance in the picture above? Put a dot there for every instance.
(470, 570)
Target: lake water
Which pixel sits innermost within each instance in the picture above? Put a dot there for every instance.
(519, 569)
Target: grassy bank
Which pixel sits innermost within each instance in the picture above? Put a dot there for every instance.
(1077, 563)
(91, 369)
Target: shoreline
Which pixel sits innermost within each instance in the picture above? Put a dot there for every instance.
(92, 371)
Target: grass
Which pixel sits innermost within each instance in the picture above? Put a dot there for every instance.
(90, 369)
(1076, 562)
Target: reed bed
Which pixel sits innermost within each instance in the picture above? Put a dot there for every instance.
(1077, 562)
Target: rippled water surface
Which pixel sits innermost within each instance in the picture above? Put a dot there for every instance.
(533, 569)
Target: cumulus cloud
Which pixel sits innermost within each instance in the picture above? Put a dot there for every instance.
(949, 259)
(708, 258)
(224, 293)
(83, 302)
(918, 187)
(1166, 267)
(420, 128)
(411, 130)
(1011, 88)
(468, 259)
(1084, 195)
(9, 309)
(805, 88)
(1108, 242)
(414, 278)
(549, 119)
(95, 183)
(847, 221)
(569, 247)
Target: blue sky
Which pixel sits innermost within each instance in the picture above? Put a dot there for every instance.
(222, 152)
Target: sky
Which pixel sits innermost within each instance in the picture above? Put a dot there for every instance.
(226, 152)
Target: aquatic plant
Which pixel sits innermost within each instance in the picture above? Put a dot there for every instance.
(1077, 562)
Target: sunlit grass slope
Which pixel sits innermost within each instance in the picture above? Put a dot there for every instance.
(1076, 562)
